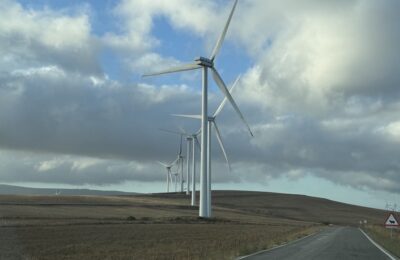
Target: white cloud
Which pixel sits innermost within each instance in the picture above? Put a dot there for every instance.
(392, 130)
(48, 165)
(321, 95)
(137, 19)
(35, 37)
(72, 169)
(315, 55)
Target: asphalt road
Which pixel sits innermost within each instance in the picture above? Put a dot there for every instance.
(332, 243)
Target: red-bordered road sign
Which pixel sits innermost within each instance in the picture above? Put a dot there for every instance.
(391, 221)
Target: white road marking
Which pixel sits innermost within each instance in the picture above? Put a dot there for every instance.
(378, 246)
(270, 249)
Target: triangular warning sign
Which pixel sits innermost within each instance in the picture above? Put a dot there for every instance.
(391, 221)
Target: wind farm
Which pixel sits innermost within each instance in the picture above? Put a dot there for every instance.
(207, 122)
(278, 140)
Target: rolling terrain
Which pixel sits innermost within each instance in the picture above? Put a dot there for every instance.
(162, 226)
(17, 190)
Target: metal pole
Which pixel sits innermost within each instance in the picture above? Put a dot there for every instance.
(193, 173)
(168, 180)
(203, 157)
(188, 142)
(209, 170)
(176, 181)
(182, 174)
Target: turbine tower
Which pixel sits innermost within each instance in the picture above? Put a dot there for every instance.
(212, 123)
(206, 64)
(179, 163)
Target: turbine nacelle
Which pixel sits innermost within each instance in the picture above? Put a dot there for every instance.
(205, 62)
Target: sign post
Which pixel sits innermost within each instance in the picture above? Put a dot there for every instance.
(391, 222)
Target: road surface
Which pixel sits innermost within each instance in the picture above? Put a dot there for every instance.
(332, 243)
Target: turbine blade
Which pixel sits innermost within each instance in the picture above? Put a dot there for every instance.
(218, 134)
(169, 131)
(163, 164)
(221, 106)
(174, 162)
(180, 147)
(183, 131)
(223, 34)
(197, 142)
(198, 132)
(188, 116)
(191, 66)
(222, 87)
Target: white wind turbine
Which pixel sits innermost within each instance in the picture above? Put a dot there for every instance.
(212, 122)
(168, 168)
(176, 178)
(179, 163)
(192, 143)
(205, 64)
(180, 158)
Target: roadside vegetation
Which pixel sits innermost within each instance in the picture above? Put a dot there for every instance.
(382, 236)
(149, 241)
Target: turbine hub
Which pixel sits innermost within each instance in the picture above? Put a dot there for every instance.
(205, 62)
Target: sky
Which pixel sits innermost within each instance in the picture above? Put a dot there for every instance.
(319, 87)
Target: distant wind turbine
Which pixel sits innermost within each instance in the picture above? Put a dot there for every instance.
(180, 158)
(168, 168)
(176, 178)
(205, 64)
(192, 143)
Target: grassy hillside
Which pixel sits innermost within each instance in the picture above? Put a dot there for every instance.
(297, 207)
(162, 226)
(17, 190)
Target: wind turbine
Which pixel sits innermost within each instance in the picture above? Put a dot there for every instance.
(176, 178)
(179, 162)
(212, 122)
(168, 168)
(206, 64)
(180, 158)
(192, 143)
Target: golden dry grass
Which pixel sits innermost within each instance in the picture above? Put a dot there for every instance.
(160, 226)
(382, 236)
(144, 241)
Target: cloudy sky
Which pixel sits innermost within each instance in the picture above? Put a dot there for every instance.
(319, 88)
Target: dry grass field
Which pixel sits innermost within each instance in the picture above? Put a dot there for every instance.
(162, 226)
(389, 239)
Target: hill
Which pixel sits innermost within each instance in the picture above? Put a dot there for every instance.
(162, 226)
(17, 190)
(297, 207)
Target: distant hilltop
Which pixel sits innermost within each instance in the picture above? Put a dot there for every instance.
(17, 190)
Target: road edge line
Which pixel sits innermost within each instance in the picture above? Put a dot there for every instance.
(276, 247)
(377, 245)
